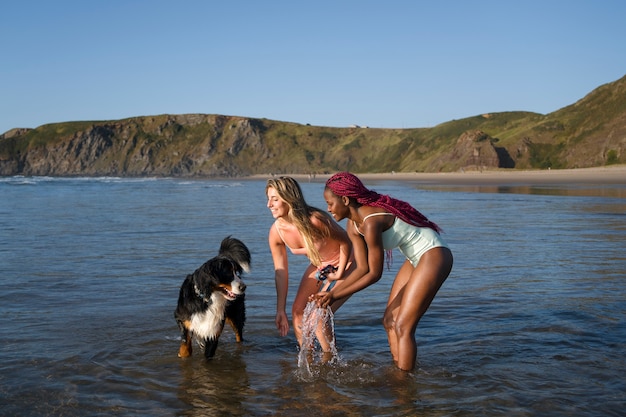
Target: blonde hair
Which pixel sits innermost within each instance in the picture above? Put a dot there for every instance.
(300, 214)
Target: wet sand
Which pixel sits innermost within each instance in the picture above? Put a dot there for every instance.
(597, 175)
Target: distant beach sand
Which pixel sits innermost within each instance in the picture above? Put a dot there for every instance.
(598, 175)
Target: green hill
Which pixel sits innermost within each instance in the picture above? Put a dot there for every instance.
(590, 132)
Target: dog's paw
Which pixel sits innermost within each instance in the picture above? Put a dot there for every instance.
(184, 351)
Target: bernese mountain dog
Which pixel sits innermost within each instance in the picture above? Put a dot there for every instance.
(212, 295)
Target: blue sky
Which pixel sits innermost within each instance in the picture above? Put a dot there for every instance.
(394, 64)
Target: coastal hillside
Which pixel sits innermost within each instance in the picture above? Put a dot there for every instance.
(588, 133)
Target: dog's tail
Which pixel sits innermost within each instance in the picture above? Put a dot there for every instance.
(236, 251)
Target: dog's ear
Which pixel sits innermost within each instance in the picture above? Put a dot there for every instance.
(202, 277)
(221, 269)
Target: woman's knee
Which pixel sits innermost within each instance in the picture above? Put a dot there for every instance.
(388, 320)
(399, 327)
(405, 327)
(297, 313)
(298, 306)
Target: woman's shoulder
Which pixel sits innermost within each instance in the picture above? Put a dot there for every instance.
(377, 214)
(274, 232)
(279, 228)
(375, 222)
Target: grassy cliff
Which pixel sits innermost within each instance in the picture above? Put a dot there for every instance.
(590, 132)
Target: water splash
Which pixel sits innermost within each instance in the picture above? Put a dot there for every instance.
(318, 339)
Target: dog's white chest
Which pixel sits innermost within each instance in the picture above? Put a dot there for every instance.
(207, 325)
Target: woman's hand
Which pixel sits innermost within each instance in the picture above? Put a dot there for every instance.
(282, 323)
(333, 276)
(323, 299)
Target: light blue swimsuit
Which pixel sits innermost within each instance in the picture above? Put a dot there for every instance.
(412, 241)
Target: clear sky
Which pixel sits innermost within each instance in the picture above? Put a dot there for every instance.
(383, 63)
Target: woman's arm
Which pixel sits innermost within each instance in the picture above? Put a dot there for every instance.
(345, 249)
(369, 256)
(281, 278)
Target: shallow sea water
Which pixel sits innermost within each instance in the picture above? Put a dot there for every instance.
(530, 322)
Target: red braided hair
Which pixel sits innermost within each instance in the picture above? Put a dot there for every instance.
(345, 184)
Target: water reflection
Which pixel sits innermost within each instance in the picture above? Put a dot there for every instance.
(529, 323)
(611, 191)
(215, 387)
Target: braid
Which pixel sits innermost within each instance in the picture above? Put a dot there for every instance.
(345, 184)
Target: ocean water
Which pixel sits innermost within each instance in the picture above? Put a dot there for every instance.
(530, 322)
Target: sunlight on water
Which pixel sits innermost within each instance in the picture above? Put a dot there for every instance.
(530, 321)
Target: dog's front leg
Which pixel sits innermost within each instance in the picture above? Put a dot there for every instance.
(210, 345)
(210, 348)
(237, 326)
(185, 349)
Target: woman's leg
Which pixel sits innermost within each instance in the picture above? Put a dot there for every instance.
(411, 295)
(324, 332)
(393, 305)
(308, 285)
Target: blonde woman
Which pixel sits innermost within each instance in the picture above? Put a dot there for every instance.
(304, 230)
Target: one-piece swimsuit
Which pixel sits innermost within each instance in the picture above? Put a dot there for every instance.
(412, 241)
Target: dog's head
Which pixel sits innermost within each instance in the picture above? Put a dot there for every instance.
(219, 275)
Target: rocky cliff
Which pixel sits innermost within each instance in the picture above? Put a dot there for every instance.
(591, 132)
(180, 145)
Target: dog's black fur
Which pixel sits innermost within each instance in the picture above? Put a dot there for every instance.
(212, 295)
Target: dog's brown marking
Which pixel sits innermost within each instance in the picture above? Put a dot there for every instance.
(238, 336)
(185, 349)
(226, 288)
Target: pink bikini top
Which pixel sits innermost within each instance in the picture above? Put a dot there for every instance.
(296, 251)
(328, 249)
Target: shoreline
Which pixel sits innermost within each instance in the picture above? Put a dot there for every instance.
(610, 175)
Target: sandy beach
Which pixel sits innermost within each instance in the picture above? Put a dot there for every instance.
(591, 176)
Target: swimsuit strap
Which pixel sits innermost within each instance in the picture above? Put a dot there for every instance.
(384, 213)
(281, 235)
